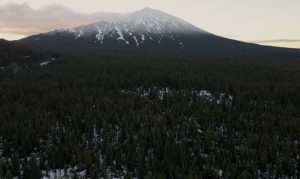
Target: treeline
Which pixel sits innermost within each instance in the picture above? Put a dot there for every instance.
(13, 53)
(74, 115)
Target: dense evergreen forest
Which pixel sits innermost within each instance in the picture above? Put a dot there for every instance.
(12, 54)
(107, 116)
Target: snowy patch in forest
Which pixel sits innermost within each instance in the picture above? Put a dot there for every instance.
(162, 93)
(44, 63)
(204, 93)
(199, 131)
(63, 173)
(220, 173)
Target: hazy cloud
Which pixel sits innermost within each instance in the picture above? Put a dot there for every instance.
(23, 20)
(277, 41)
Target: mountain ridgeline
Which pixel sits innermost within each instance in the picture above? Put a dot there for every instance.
(144, 30)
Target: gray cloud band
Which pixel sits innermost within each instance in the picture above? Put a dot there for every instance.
(23, 20)
(277, 41)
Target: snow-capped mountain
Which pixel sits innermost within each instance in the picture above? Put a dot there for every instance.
(146, 26)
(146, 29)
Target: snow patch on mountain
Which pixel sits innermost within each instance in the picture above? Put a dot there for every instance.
(100, 35)
(181, 44)
(121, 37)
(136, 41)
(143, 37)
(79, 34)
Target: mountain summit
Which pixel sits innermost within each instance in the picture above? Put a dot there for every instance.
(141, 28)
(146, 29)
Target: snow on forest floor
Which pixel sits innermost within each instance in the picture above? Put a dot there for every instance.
(61, 173)
(46, 62)
(161, 93)
(69, 173)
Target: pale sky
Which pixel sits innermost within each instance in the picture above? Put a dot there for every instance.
(271, 22)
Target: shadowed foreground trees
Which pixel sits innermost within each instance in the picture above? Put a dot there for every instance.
(151, 117)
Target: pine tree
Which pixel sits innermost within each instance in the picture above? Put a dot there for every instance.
(32, 171)
(16, 164)
(8, 175)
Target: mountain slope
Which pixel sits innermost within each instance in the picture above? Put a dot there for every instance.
(146, 29)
